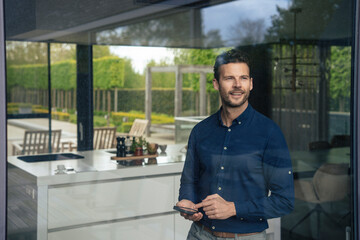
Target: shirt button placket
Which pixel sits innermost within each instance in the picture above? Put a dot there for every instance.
(229, 130)
(222, 168)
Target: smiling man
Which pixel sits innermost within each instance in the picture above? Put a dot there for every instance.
(238, 170)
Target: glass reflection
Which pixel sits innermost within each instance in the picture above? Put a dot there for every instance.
(302, 77)
(241, 22)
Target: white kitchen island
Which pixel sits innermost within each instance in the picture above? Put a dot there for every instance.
(101, 199)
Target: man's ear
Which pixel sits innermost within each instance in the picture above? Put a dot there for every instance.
(251, 84)
(216, 84)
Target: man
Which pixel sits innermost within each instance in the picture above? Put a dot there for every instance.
(238, 170)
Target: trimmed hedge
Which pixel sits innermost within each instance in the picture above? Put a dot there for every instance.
(128, 100)
(29, 76)
(117, 118)
(60, 116)
(162, 101)
(109, 72)
(63, 75)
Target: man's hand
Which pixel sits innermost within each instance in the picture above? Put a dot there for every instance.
(215, 207)
(189, 204)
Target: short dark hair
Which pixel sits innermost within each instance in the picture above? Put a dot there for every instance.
(231, 56)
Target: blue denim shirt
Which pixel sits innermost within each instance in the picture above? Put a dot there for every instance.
(247, 163)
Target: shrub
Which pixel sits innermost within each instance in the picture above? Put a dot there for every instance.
(40, 110)
(60, 116)
(117, 118)
(126, 126)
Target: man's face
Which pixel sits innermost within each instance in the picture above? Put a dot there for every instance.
(234, 84)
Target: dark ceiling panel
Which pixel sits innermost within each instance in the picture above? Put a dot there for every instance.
(28, 20)
(168, 23)
(60, 15)
(20, 17)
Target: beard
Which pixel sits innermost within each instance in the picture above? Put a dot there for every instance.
(225, 98)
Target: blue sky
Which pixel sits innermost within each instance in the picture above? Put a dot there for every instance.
(223, 16)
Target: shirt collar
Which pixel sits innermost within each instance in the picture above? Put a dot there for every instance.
(240, 119)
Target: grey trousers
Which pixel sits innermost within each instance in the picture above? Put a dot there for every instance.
(198, 233)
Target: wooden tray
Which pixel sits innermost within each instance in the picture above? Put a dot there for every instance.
(134, 157)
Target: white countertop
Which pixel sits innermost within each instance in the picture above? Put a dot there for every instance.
(97, 166)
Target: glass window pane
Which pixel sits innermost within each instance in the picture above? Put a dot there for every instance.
(154, 60)
(63, 94)
(27, 91)
(27, 77)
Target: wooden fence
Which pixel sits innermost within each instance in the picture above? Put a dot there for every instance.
(116, 100)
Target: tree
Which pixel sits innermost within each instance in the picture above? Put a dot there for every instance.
(173, 30)
(25, 53)
(247, 32)
(62, 52)
(197, 57)
(315, 18)
(132, 78)
(18, 53)
(213, 39)
(100, 51)
(162, 79)
(108, 72)
(340, 77)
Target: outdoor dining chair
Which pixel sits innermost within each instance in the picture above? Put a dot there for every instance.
(104, 137)
(137, 129)
(37, 141)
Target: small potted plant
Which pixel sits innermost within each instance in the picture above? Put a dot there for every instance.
(139, 146)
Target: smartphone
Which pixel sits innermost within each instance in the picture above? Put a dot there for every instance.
(189, 211)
